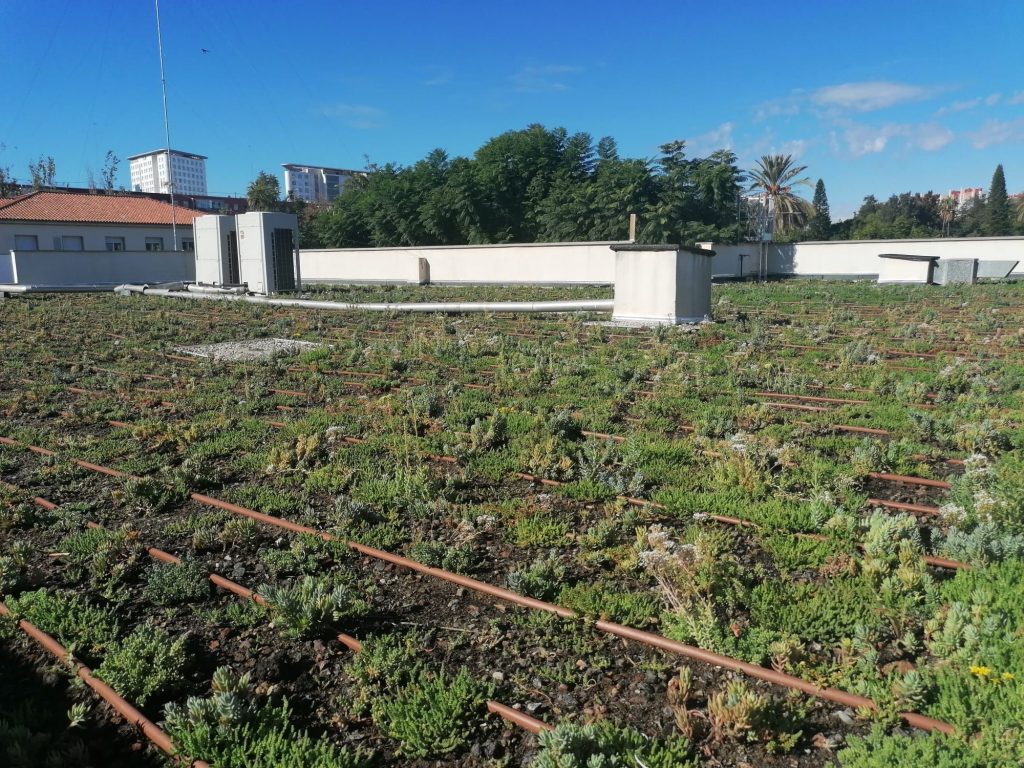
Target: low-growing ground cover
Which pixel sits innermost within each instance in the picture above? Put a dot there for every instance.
(825, 482)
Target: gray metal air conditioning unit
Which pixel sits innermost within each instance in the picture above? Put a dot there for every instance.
(216, 239)
(268, 249)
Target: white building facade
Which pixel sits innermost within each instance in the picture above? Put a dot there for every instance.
(314, 183)
(185, 175)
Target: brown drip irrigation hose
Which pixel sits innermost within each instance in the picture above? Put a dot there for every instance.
(647, 638)
(909, 480)
(149, 729)
(921, 509)
(514, 716)
(811, 398)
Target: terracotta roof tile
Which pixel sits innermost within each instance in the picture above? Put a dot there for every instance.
(91, 209)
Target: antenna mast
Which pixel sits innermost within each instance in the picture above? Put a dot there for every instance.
(167, 130)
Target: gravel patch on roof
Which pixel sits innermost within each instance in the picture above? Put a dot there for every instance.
(253, 349)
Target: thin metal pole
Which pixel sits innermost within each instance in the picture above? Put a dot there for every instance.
(167, 131)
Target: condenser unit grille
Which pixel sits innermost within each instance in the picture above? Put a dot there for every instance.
(233, 273)
(282, 259)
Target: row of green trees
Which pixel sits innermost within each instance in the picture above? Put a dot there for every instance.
(929, 215)
(545, 185)
(537, 185)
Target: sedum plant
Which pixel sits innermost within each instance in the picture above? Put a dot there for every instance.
(433, 714)
(172, 584)
(231, 728)
(302, 607)
(604, 745)
(74, 621)
(145, 663)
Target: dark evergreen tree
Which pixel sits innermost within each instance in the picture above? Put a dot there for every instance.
(820, 227)
(997, 208)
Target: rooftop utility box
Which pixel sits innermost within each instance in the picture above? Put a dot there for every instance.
(905, 268)
(992, 269)
(950, 271)
(661, 284)
(216, 240)
(268, 250)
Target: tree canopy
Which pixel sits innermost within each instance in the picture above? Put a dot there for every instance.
(916, 214)
(820, 226)
(536, 185)
(264, 192)
(997, 206)
(775, 180)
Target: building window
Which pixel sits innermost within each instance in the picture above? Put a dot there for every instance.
(154, 243)
(26, 243)
(115, 243)
(188, 245)
(72, 243)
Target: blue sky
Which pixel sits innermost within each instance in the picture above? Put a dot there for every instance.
(875, 97)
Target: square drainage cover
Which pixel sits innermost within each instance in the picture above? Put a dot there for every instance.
(253, 349)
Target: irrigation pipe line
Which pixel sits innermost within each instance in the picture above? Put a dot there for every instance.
(650, 639)
(591, 305)
(618, 438)
(510, 714)
(921, 509)
(149, 729)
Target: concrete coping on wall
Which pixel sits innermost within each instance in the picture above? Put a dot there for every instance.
(907, 257)
(467, 246)
(663, 247)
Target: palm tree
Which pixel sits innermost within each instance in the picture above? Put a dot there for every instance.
(773, 180)
(947, 212)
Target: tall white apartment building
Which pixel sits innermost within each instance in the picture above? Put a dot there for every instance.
(185, 175)
(314, 183)
(965, 196)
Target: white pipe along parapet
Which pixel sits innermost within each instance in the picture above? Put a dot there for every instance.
(200, 292)
(13, 288)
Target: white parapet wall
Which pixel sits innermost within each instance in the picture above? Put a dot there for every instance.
(529, 263)
(594, 263)
(857, 258)
(97, 268)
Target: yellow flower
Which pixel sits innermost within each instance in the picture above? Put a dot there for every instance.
(981, 671)
(1008, 676)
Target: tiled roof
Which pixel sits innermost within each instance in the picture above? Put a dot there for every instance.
(91, 209)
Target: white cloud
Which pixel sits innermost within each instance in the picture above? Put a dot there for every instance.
(870, 95)
(967, 104)
(359, 116)
(716, 138)
(1017, 98)
(868, 140)
(789, 105)
(958, 106)
(997, 132)
(846, 98)
(794, 147)
(929, 137)
(547, 78)
(440, 77)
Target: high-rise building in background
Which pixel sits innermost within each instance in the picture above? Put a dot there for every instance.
(185, 175)
(315, 183)
(963, 197)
